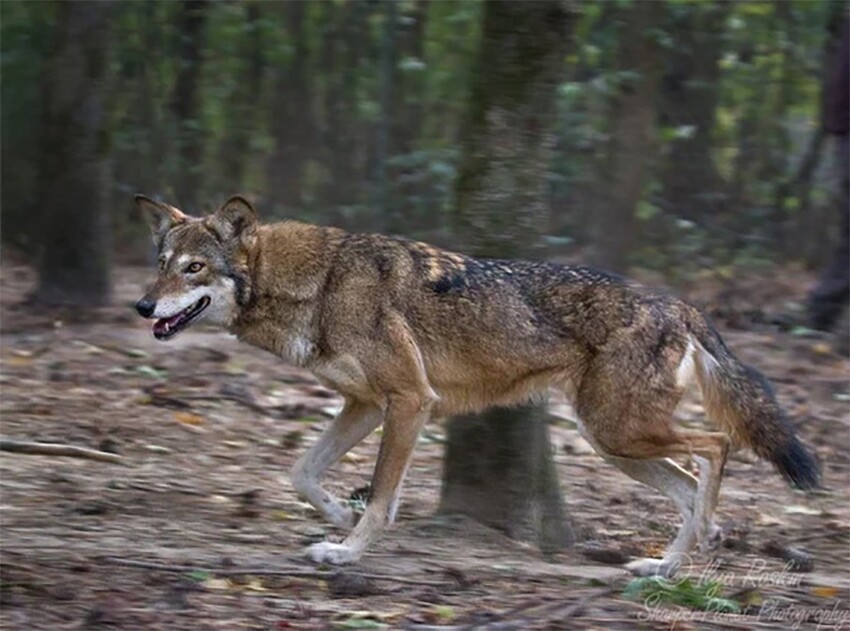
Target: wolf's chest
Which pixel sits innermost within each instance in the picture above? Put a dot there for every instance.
(296, 349)
(289, 341)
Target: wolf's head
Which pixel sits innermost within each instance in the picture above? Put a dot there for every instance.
(203, 265)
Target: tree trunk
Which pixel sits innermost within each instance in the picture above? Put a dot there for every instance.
(409, 96)
(384, 138)
(340, 57)
(185, 105)
(292, 101)
(691, 183)
(73, 148)
(235, 149)
(632, 135)
(499, 468)
(406, 125)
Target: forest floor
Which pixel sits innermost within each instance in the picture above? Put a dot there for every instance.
(209, 429)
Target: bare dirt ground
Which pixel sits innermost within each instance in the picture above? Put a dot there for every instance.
(209, 429)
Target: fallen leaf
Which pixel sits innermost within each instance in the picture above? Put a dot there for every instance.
(802, 331)
(359, 623)
(158, 449)
(91, 349)
(763, 519)
(821, 348)
(444, 613)
(802, 510)
(188, 418)
(150, 371)
(19, 361)
(255, 585)
(199, 575)
(217, 583)
(824, 591)
(292, 440)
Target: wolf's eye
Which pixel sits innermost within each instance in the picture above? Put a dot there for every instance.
(194, 268)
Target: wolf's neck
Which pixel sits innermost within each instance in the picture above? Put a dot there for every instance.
(293, 259)
(287, 274)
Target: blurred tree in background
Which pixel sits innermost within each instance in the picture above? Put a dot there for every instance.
(687, 133)
(71, 185)
(499, 468)
(632, 134)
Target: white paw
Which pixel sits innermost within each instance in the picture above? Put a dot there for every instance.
(711, 538)
(332, 553)
(653, 567)
(342, 517)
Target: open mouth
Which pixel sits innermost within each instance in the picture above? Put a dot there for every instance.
(165, 328)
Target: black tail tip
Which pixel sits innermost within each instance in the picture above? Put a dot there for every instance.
(798, 466)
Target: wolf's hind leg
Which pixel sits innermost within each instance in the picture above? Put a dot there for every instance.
(355, 422)
(626, 401)
(665, 476)
(671, 480)
(709, 449)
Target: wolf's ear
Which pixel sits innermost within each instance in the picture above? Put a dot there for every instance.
(235, 218)
(160, 217)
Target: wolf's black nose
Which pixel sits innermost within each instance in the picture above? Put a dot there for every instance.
(146, 307)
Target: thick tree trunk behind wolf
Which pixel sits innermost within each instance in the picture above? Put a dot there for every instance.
(499, 467)
(73, 160)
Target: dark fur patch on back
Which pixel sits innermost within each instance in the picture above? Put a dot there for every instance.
(384, 265)
(448, 282)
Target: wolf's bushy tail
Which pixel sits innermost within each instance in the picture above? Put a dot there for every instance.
(741, 401)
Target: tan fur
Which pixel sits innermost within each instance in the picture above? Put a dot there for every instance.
(405, 331)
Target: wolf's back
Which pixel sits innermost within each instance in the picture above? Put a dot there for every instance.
(740, 399)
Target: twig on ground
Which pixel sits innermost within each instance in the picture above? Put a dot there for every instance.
(831, 534)
(264, 571)
(58, 449)
(251, 405)
(181, 401)
(570, 609)
(582, 603)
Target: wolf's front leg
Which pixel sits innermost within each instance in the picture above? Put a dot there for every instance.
(355, 422)
(406, 414)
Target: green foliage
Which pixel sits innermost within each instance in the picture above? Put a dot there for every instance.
(655, 590)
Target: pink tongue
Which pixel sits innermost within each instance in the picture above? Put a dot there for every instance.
(163, 324)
